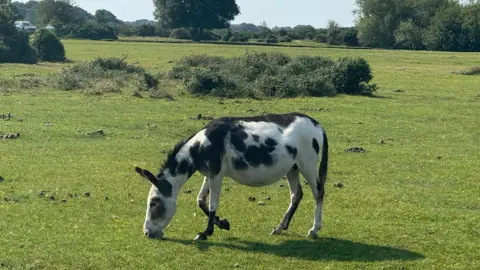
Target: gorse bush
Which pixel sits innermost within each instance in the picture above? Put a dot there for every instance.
(272, 75)
(103, 73)
(48, 46)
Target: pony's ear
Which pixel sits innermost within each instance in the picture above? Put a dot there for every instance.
(147, 175)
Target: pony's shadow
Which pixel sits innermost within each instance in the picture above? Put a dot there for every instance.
(327, 249)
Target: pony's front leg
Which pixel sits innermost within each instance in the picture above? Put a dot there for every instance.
(202, 203)
(215, 187)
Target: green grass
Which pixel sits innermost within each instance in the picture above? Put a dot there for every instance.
(410, 202)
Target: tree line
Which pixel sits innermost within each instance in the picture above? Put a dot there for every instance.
(74, 22)
(443, 25)
(447, 25)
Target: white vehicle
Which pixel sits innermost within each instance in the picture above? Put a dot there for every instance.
(25, 25)
(49, 27)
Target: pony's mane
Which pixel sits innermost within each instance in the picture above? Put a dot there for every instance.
(173, 153)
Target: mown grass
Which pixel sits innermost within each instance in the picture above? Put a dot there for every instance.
(411, 201)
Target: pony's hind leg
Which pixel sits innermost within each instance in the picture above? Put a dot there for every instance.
(318, 193)
(296, 195)
(202, 203)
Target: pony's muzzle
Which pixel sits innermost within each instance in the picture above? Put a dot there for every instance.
(153, 235)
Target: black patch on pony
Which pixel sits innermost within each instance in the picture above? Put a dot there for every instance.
(239, 164)
(157, 208)
(315, 145)
(163, 186)
(183, 167)
(258, 155)
(238, 137)
(291, 150)
(283, 120)
(270, 142)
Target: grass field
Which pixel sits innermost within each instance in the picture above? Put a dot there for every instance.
(410, 202)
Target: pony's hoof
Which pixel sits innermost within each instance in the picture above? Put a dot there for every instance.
(276, 231)
(313, 235)
(225, 225)
(200, 237)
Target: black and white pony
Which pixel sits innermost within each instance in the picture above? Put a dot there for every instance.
(254, 151)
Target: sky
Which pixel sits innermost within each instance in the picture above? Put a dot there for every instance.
(274, 12)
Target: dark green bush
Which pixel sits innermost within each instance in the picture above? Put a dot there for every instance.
(352, 76)
(94, 31)
(239, 37)
(181, 33)
(48, 46)
(349, 36)
(285, 39)
(272, 75)
(271, 39)
(16, 48)
(321, 38)
(145, 30)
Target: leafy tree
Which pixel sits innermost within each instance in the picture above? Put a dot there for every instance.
(48, 46)
(196, 15)
(333, 33)
(6, 14)
(282, 32)
(409, 36)
(445, 30)
(106, 17)
(378, 20)
(56, 12)
(301, 31)
(14, 46)
(471, 26)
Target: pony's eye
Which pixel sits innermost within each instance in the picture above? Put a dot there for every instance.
(153, 204)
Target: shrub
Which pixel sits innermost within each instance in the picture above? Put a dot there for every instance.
(145, 30)
(16, 49)
(285, 39)
(321, 38)
(103, 73)
(271, 39)
(182, 67)
(181, 33)
(272, 75)
(203, 80)
(227, 36)
(352, 76)
(239, 37)
(209, 35)
(94, 31)
(349, 36)
(471, 71)
(48, 46)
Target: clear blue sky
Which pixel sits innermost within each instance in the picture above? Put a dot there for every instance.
(273, 12)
